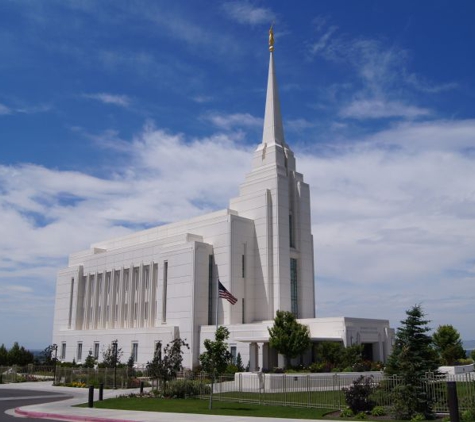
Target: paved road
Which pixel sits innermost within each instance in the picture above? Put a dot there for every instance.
(12, 398)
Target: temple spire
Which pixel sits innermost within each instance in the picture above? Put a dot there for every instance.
(273, 127)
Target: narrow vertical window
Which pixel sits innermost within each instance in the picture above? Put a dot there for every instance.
(71, 296)
(135, 351)
(291, 231)
(63, 351)
(79, 352)
(210, 290)
(243, 312)
(293, 287)
(233, 351)
(164, 297)
(96, 350)
(243, 266)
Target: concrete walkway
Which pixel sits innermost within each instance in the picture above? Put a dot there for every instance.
(64, 410)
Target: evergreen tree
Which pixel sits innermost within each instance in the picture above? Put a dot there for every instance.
(216, 357)
(3, 355)
(90, 361)
(239, 364)
(412, 358)
(19, 355)
(448, 344)
(288, 336)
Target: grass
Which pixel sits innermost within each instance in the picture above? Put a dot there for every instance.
(201, 407)
(305, 398)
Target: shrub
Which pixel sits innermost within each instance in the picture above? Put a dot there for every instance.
(404, 399)
(409, 400)
(468, 415)
(182, 389)
(357, 396)
(347, 413)
(418, 417)
(378, 411)
(463, 362)
(361, 415)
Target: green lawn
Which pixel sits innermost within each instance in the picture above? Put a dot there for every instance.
(201, 407)
(323, 399)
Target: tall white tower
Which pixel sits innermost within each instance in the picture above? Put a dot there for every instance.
(275, 196)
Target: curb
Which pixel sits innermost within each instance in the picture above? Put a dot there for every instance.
(43, 415)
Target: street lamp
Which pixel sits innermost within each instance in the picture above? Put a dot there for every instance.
(115, 351)
(54, 348)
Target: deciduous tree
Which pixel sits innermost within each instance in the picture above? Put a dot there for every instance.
(110, 357)
(448, 344)
(216, 357)
(166, 367)
(288, 336)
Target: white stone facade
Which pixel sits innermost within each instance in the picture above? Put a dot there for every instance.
(161, 283)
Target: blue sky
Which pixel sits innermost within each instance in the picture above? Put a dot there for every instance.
(122, 115)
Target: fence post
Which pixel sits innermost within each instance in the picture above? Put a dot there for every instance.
(141, 387)
(90, 402)
(452, 400)
(308, 390)
(101, 391)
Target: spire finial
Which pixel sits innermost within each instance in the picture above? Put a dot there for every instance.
(271, 38)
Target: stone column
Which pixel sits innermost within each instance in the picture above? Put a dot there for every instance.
(253, 360)
(260, 356)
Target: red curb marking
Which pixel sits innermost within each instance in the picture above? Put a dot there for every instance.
(67, 417)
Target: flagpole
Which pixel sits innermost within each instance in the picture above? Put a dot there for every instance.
(217, 301)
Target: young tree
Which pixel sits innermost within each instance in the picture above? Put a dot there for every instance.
(448, 344)
(49, 355)
(239, 364)
(216, 357)
(90, 361)
(166, 367)
(412, 357)
(110, 357)
(288, 337)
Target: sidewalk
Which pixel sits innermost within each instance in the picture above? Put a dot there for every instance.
(64, 410)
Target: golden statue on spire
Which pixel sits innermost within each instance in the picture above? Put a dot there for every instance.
(271, 38)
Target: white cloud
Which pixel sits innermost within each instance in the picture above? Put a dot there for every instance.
(379, 108)
(246, 13)
(201, 99)
(4, 109)
(384, 87)
(322, 43)
(119, 100)
(393, 215)
(230, 121)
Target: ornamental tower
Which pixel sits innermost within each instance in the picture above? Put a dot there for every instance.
(275, 196)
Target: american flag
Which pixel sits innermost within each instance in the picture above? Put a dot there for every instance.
(223, 293)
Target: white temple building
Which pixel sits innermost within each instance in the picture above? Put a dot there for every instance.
(152, 286)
